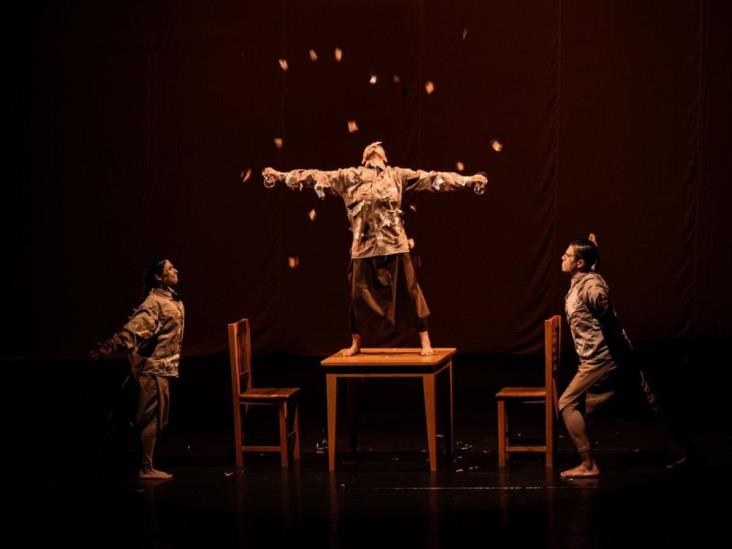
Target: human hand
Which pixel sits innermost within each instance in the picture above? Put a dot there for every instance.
(479, 181)
(103, 350)
(270, 176)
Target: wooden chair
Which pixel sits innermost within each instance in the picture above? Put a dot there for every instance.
(546, 395)
(244, 395)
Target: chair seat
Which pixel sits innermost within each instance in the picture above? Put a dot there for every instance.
(521, 392)
(269, 393)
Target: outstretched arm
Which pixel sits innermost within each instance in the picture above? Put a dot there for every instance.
(420, 180)
(320, 181)
(142, 325)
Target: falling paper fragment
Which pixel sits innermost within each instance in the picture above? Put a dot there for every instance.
(413, 207)
(373, 79)
(352, 126)
(465, 33)
(245, 176)
(396, 79)
(338, 54)
(497, 145)
(228, 474)
(459, 166)
(313, 55)
(293, 262)
(283, 64)
(278, 142)
(429, 87)
(312, 215)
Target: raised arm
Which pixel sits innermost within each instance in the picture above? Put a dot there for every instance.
(320, 181)
(420, 180)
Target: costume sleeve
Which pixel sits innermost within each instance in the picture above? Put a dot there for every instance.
(598, 298)
(321, 182)
(420, 180)
(142, 325)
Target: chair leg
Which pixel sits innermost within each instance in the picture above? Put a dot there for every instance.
(502, 433)
(549, 434)
(296, 429)
(238, 438)
(283, 434)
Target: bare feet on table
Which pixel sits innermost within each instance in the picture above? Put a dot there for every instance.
(355, 347)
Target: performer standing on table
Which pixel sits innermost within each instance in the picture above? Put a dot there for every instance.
(153, 337)
(380, 261)
(602, 346)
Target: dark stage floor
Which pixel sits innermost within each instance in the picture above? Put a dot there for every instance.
(72, 484)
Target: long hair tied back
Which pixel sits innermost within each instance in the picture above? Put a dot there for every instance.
(588, 250)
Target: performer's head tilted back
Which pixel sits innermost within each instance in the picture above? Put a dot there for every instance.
(160, 273)
(373, 152)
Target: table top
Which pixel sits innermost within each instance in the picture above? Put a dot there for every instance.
(389, 357)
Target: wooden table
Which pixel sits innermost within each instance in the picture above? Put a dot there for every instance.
(389, 363)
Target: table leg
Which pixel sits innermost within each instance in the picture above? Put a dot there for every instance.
(331, 381)
(502, 428)
(428, 384)
(451, 426)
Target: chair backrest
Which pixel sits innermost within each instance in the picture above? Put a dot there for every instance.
(240, 356)
(552, 352)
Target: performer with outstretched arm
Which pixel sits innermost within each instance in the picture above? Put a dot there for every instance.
(380, 260)
(152, 336)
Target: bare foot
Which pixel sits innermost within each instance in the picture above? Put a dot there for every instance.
(351, 351)
(425, 344)
(153, 474)
(581, 471)
(355, 347)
